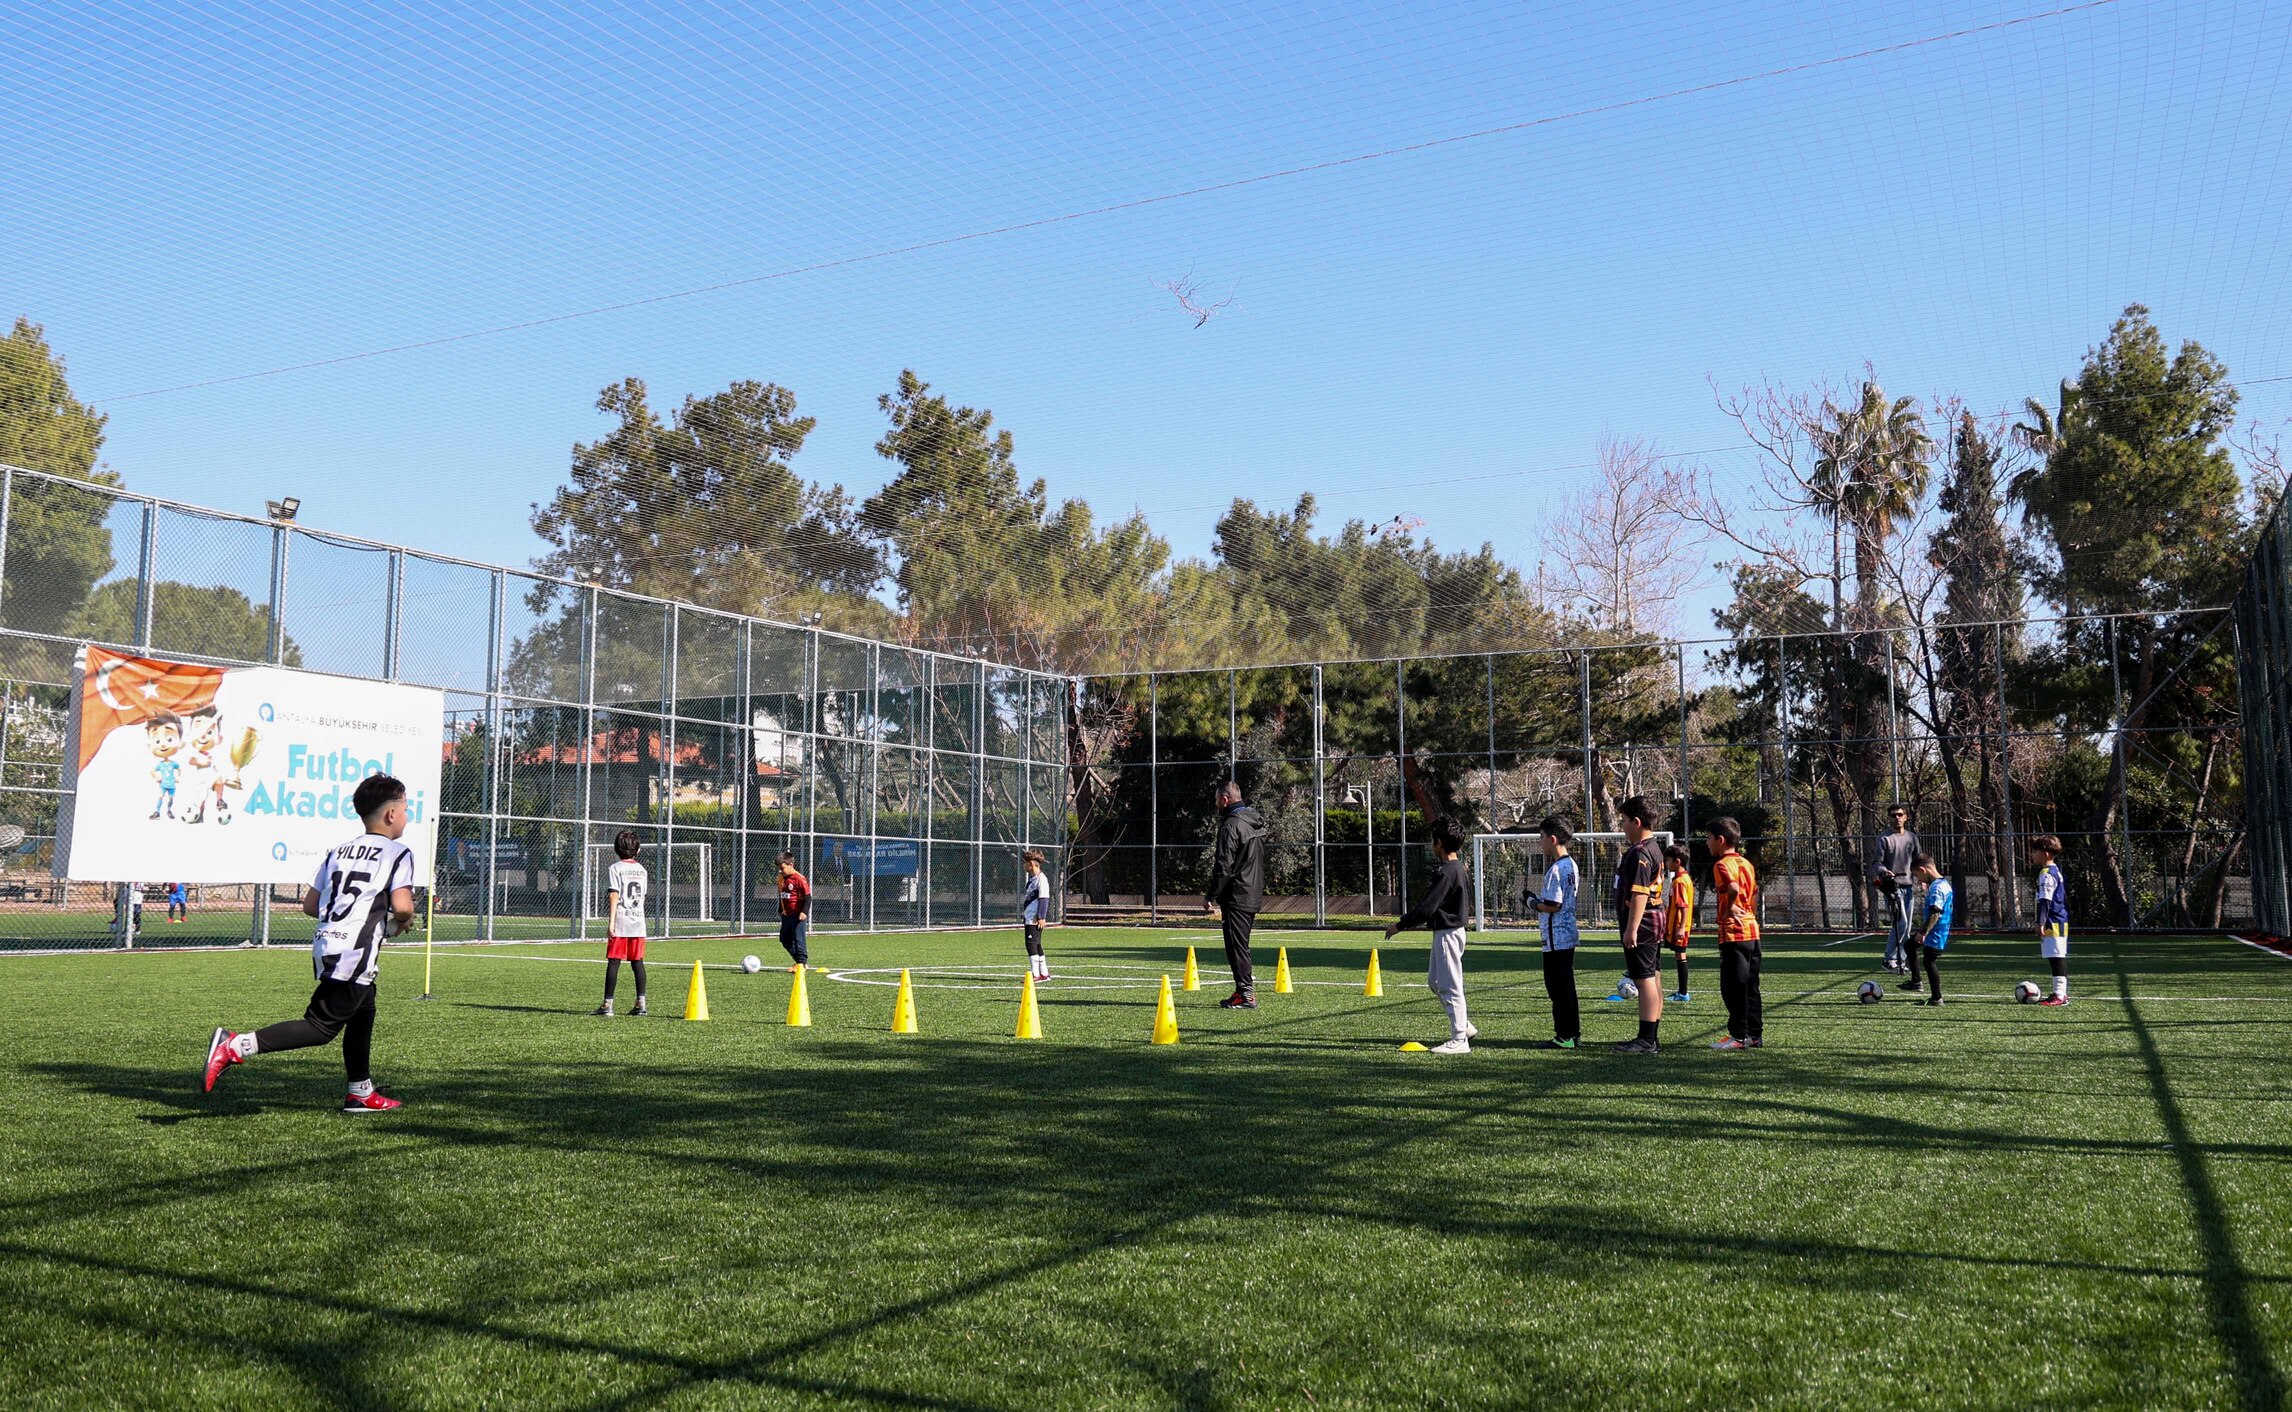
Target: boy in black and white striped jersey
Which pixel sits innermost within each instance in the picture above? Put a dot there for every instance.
(364, 893)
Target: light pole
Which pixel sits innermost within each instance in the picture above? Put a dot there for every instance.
(1366, 796)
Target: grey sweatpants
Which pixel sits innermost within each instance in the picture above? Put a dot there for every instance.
(1446, 977)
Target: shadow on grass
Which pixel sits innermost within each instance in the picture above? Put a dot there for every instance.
(1115, 1148)
(2226, 1283)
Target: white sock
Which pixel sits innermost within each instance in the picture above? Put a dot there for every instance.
(362, 1088)
(245, 1044)
(2061, 986)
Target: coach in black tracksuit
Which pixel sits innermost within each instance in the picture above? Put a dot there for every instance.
(1237, 887)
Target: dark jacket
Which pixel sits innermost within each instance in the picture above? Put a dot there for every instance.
(1444, 906)
(1237, 870)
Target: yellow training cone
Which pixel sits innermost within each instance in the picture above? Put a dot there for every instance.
(1281, 985)
(1412, 1047)
(1376, 984)
(1193, 973)
(1165, 1017)
(696, 998)
(799, 1003)
(1030, 1018)
(903, 1013)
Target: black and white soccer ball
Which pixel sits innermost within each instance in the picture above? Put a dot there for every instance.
(2027, 992)
(752, 964)
(1869, 992)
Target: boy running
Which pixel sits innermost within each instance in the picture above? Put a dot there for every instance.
(1940, 900)
(1034, 911)
(2052, 914)
(364, 892)
(625, 884)
(1441, 910)
(1678, 913)
(1735, 900)
(1557, 906)
(795, 911)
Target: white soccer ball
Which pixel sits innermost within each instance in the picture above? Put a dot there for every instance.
(2027, 992)
(751, 964)
(1628, 988)
(1869, 992)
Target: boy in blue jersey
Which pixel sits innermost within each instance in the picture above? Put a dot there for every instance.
(1941, 899)
(2052, 914)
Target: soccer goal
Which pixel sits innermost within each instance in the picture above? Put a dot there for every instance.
(677, 871)
(1508, 875)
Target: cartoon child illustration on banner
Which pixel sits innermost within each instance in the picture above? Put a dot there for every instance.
(164, 734)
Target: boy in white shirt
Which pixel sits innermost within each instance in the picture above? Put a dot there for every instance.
(625, 886)
(1557, 903)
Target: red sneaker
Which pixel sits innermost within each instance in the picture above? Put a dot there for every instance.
(221, 1055)
(371, 1103)
(2055, 1000)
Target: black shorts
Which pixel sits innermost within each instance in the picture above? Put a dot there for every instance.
(335, 1004)
(1643, 959)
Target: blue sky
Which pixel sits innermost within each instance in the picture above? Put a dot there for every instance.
(192, 192)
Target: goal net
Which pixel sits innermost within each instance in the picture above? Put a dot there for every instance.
(1508, 876)
(683, 873)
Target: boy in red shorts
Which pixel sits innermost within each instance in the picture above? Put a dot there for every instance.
(625, 901)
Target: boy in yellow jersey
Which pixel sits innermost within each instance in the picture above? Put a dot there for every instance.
(1678, 914)
(1735, 901)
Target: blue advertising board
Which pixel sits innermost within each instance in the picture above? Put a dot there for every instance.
(881, 858)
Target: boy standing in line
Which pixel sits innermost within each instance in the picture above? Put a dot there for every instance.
(1557, 904)
(1940, 900)
(1639, 917)
(1735, 898)
(2052, 914)
(1678, 914)
(1442, 910)
(364, 892)
(625, 884)
(795, 911)
(1034, 911)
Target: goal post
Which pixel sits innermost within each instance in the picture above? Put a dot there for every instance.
(1508, 875)
(682, 873)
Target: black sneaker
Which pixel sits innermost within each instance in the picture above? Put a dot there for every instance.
(1238, 1001)
(605, 1010)
(1553, 1044)
(1755, 1042)
(1931, 1000)
(1910, 988)
(1639, 1046)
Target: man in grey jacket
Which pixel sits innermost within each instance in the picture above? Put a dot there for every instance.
(1237, 887)
(1897, 855)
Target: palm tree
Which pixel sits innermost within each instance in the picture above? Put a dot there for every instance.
(1871, 467)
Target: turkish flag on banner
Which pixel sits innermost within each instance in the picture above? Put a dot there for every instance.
(118, 690)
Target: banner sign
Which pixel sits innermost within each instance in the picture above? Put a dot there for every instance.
(884, 858)
(176, 772)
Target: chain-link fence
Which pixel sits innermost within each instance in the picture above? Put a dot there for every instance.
(907, 783)
(2118, 734)
(2264, 681)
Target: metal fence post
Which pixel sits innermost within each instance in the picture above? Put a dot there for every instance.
(871, 740)
(1686, 789)
(393, 614)
(489, 875)
(274, 647)
(1320, 809)
(671, 622)
(1401, 738)
(1783, 754)
(146, 575)
(1154, 796)
(1584, 716)
(2007, 859)
(7, 504)
(2124, 783)
(587, 597)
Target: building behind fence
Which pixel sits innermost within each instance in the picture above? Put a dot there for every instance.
(906, 782)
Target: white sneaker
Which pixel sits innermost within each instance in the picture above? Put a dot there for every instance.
(1472, 1031)
(1458, 1045)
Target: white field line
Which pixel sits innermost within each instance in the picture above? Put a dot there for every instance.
(2241, 941)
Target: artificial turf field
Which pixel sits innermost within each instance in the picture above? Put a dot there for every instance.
(1983, 1205)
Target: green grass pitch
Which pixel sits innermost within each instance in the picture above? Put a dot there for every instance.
(1985, 1205)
